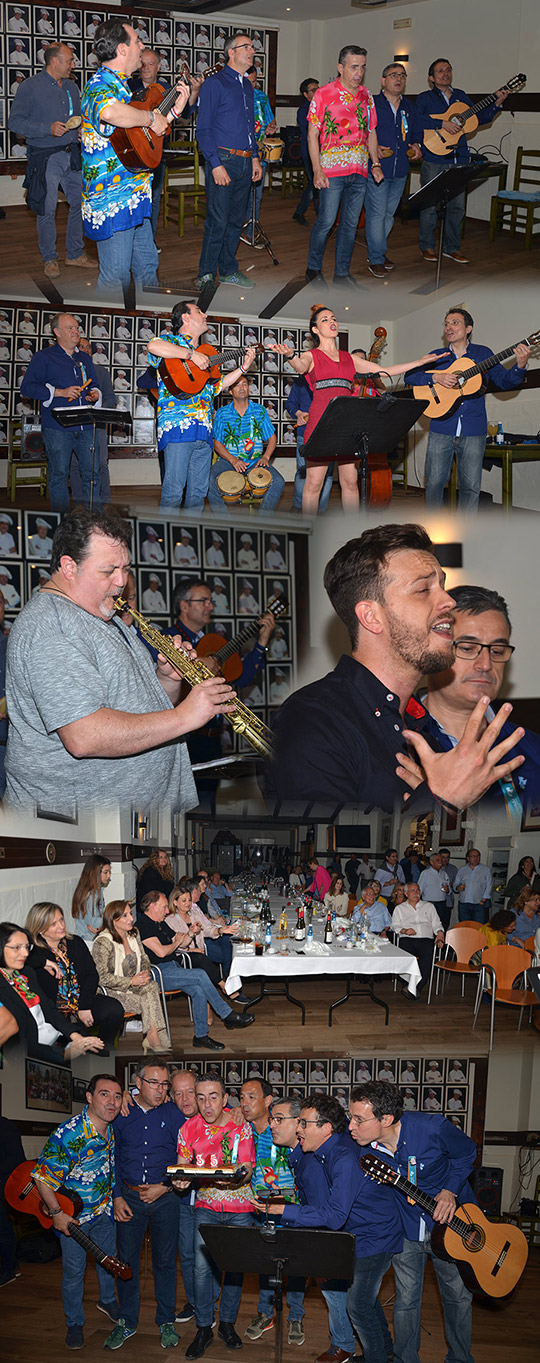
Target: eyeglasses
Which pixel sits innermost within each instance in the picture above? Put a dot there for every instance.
(239, 46)
(278, 1120)
(358, 1121)
(199, 600)
(157, 1083)
(303, 1122)
(470, 648)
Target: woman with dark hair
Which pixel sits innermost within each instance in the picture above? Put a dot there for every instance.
(330, 373)
(66, 973)
(156, 873)
(498, 928)
(526, 877)
(88, 899)
(124, 971)
(336, 897)
(46, 1032)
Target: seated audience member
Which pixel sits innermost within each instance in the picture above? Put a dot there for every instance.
(46, 1032)
(66, 972)
(297, 880)
(499, 927)
(398, 896)
(184, 919)
(336, 898)
(156, 873)
(319, 879)
(526, 877)
(244, 439)
(220, 891)
(527, 913)
(417, 922)
(124, 971)
(88, 899)
(377, 917)
(161, 945)
(376, 885)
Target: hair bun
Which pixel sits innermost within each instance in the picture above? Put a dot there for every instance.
(316, 307)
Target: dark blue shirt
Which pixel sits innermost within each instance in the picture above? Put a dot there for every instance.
(394, 129)
(471, 412)
(432, 102)
(226, 115)
(146, 1142)
(434, 1154)
(336, 1194)
(39, 102)
(54, 368)
(302, 121)
(300, 397)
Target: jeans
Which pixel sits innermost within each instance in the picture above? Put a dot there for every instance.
(427, 221)
(208, 1276)
(300, 478)
(381, 204)
(58, 175)
(456, 1300)
(127, 253)
(341, 1335)
(158, 179)
(345, 193)
(267, 503)
(365, 1309)
(162, 1218)
(186, 1248)
(226, 211)
(439, 459)
(187, 465)
(201, 991)
(59, 447)
(309, 193)
(477, 913)
(102, 1229)
(102, 462)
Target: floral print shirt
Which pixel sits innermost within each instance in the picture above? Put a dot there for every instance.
(75, 1154)
(243, 436)
(200, 1143)
(114, 198)
(343, 121)
(190, 419)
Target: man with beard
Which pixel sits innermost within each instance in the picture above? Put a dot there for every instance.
(344, 738)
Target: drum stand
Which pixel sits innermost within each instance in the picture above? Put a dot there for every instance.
(257, 236)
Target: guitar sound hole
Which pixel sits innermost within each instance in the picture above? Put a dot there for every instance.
(474, 1239)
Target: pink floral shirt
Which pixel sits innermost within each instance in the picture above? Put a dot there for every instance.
(344, 121)
(199, 1143)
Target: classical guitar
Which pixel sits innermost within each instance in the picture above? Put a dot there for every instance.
(183, 378)
(441, 401)
(228, 655)
(379, 473)
(142, 148)
(440, 142)
(21, 1193)
(489, 1257)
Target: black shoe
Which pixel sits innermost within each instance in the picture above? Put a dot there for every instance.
(227, 1333)
(74, 1337)
(315, 277)
(187, 1313)
(299, 217)
(241, 998)
(208, 1044)
(238, 1020)
(203, 1339)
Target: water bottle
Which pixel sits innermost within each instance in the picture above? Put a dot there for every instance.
(268, 937)
(499, 438)
(310, 935)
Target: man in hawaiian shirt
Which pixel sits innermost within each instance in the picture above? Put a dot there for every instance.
(341, 136)
(80, 1154)
(244, 438)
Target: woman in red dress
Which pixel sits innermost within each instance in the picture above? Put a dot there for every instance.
(330, 373)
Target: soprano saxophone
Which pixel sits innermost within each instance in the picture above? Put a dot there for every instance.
(240, 718)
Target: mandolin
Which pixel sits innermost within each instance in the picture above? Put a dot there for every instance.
(441, 401)
(488, 1256)
(379, 473)
(21, 1193)
(142, 148)
(228, 655)
(183, 378)
(440, 142)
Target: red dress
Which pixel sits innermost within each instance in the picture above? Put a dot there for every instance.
(328, 380)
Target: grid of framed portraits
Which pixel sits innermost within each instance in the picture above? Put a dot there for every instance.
(25, 554)
(27, 29)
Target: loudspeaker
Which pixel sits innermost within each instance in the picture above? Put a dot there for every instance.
(292, 155)
(487, 1184)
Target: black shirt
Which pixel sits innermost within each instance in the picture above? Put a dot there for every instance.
(337, 739)
(165, 935)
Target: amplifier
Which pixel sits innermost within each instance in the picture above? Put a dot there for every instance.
(292, 155)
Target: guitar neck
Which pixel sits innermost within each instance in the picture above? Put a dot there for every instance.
(225, 355)
(483, 365)
(167, 102)
(86, 1243)
(235, 644)
(427, 1203)
(477, 108)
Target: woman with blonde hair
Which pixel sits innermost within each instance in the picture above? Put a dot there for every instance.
(156, 873)
(88, 898)
(124, 971)
(66, 973)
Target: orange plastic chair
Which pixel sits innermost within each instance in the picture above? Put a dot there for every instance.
(470, 923)
(505, 964)
(464, 942)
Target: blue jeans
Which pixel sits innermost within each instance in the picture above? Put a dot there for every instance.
(381, 203)
(477, 913)
(59, 447)
(439, 459)
(267, 503)
(345, 192)
(102, 460)
(226, 211)
(208, 1276)
(201, 991)
(341, 1335)
(102, 1229)
(300, 477)
(158, 179)
(456, 1300)
(58, 174)
(132, 252)
(186, 1247)
(365, 1309)
(427, 221)
(187, 465)
(309, 193)
(162, 1218)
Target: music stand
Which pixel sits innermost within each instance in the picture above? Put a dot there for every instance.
(257, 236)
(354, 429)
(84, 415)
(438, 193)
(275, 1250)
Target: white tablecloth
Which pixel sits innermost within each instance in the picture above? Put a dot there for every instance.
(389, 960)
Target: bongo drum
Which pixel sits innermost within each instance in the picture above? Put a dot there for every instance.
(230, 486)
(272, 149)
(259, 480)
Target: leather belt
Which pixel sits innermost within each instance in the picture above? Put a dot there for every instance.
(233, 152)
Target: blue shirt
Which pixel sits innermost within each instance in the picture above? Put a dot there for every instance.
(54, 368)
(377, 915)
(243, 436)
(471, 412)
(75, 1154)
(433, 102)
(525, 927)
(394, 129)
(478, 882)
(434, 1154)
(39, 102)
(300, 397)
(302, 121)
(146, 1142)
(226, 115)
(114, 199)
(336, 1194)
(431, 887)
(189, 419)
(384, 874)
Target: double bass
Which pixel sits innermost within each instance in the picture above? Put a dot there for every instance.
(379, 473)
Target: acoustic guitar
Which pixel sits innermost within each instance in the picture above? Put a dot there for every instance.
(142, 148)
(228, 655)
(183, 378)
(441, 401)
(21, 1193)
(440, 142)
(379, 473)
(489, 1257)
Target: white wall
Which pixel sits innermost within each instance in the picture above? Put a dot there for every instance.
(20, 887)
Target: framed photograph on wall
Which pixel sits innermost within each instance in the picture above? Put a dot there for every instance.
(47, 1087)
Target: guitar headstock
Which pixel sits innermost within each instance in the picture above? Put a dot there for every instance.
(278, 605)
(117, 1268)
(516, 83)
(533, 339)
(377, 1169)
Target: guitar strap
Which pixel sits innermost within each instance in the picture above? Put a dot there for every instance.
(411, 1175)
